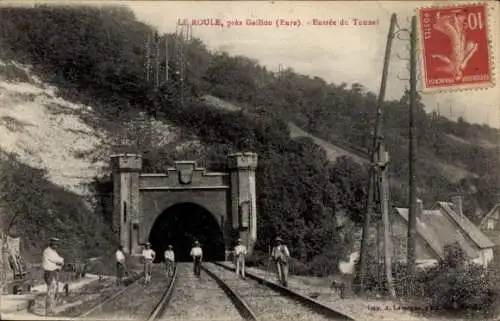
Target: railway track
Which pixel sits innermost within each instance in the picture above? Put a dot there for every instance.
(203, 298)
(136, 301)
(218, 294)
(273, 302)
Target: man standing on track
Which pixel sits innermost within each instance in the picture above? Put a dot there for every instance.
(148, 255)
(197, 255)
(120, 265)
(170, 260)
(51, 263)
(240, 251)
(280, 255)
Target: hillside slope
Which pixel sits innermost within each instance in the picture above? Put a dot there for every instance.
(51, 151)
(46, 131)
(453, 157)
(332, 151)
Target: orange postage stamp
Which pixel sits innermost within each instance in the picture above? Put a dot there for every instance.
(455, 47)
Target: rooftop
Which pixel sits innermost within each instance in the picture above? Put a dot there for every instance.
(443, 225)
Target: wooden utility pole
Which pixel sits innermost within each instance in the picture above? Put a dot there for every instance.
(3, 272)
(166, 58)
(412, 217)
(148, 57)
(180, 63)
(382, 162)
(157, 60)
(376, 134)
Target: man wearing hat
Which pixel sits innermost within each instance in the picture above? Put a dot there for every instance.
(148, 255)
(197, 255)
(51, 263)
(280, 256)
(240, 251)
(170, 260)
(120, 265)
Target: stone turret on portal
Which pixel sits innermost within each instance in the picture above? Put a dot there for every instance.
(242, 168)
(126, 170)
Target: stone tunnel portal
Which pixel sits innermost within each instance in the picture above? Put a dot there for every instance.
(181, 224)
(185, 202)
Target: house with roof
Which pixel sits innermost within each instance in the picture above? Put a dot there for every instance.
(490, 226)
(443, 224)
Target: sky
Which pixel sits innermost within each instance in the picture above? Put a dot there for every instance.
(335, 53)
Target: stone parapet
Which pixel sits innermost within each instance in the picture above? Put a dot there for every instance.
(242, 161)
(126, 163)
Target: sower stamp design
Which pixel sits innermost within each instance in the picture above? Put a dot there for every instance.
(455, 48)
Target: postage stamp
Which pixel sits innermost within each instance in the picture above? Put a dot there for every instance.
(455, 47)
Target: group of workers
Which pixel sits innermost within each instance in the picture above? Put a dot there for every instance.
(279, 255)
(52, 263)
(148, 256)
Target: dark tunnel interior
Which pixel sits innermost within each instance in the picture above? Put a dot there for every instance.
(180, 225)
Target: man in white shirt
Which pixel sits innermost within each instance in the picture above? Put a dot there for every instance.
(197, 255)
(120, 265)
(280, 255)
(51, 263)
(240, 251)
(148, 255)
(170, 260)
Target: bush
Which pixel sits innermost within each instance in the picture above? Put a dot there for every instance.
(463, 288)
(455, 285)
(326, 262)
(452, 285)
(298, 267)
(35, 209)
(257, 259)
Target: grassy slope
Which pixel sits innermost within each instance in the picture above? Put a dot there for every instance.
(452, 172)
(333, 151)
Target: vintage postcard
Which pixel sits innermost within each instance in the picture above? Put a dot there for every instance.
(249, 160)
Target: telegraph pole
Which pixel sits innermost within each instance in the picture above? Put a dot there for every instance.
(376, 139)
(412, 217)
(148, 57)
(179, 49)
(157, 60)
(382, 161)
(183, 35)
(166, 58)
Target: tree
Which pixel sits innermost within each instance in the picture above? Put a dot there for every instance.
(351, 181)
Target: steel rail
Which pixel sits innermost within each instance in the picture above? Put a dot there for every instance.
(165, 299)
(111, 298)
(310, 303)
(243, 308)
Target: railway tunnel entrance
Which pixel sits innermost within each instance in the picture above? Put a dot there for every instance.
(183, 223)
(184, 203)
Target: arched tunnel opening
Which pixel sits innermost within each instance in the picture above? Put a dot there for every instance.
(180, 225)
